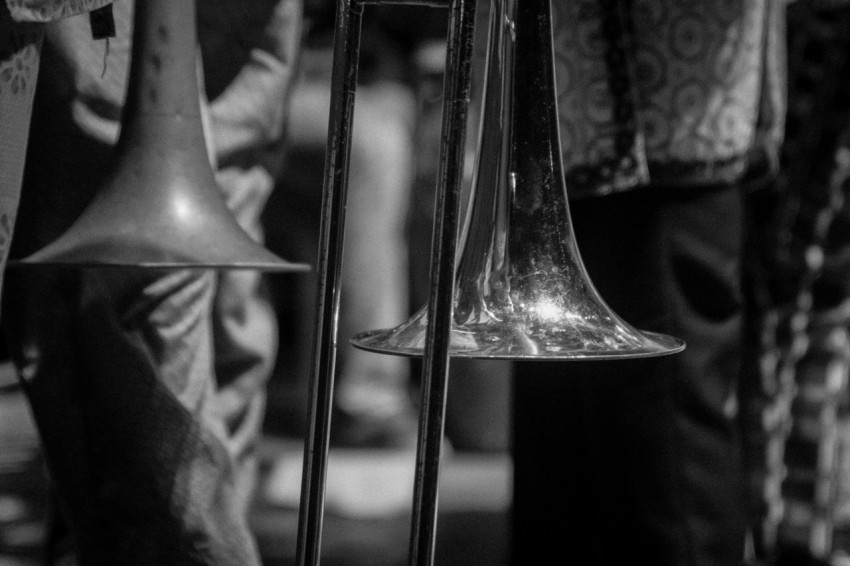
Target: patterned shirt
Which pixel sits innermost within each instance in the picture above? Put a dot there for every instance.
(668, 92)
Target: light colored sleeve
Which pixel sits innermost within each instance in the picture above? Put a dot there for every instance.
(249, 114)
(50, 10)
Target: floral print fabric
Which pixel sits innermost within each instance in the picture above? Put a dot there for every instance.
(49, 10)
(21, 35)
(665, 91)
(20, 48)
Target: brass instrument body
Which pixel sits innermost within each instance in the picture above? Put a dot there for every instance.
(456, 94)
(160, 206)
(518, 290)
(521, 290)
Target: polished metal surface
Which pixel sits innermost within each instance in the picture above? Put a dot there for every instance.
(347, 28)
(160, 206)
(521, 291)
(457, 87)
(348, 23)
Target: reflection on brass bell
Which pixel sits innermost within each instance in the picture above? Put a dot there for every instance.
(521, 290)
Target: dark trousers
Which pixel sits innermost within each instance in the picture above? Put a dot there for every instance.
(618, 461)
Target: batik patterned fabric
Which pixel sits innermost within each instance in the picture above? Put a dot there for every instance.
(20, 50)
(665, 91)
(20, 47)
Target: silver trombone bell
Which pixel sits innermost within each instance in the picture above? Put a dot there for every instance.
(521, 290)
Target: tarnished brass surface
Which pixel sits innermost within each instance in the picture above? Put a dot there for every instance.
(160, 206)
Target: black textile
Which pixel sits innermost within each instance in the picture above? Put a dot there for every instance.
(637, 461)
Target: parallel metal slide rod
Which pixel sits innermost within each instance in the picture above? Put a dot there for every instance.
(329, 265)
(348, 23)
(435, 367)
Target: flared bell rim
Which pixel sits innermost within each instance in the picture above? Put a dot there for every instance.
(159, 211)
(71, 252)
(649, 345)
(271, 266)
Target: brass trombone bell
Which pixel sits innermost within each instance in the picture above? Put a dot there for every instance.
(160, 206)
(520, 288)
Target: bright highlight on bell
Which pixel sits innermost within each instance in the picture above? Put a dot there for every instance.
(521, 290)
(160, 206)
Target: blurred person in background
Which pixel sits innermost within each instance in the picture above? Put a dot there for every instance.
(393, 174)
(147, 388)
(373, 405)
(669, 110)
(794, 383)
